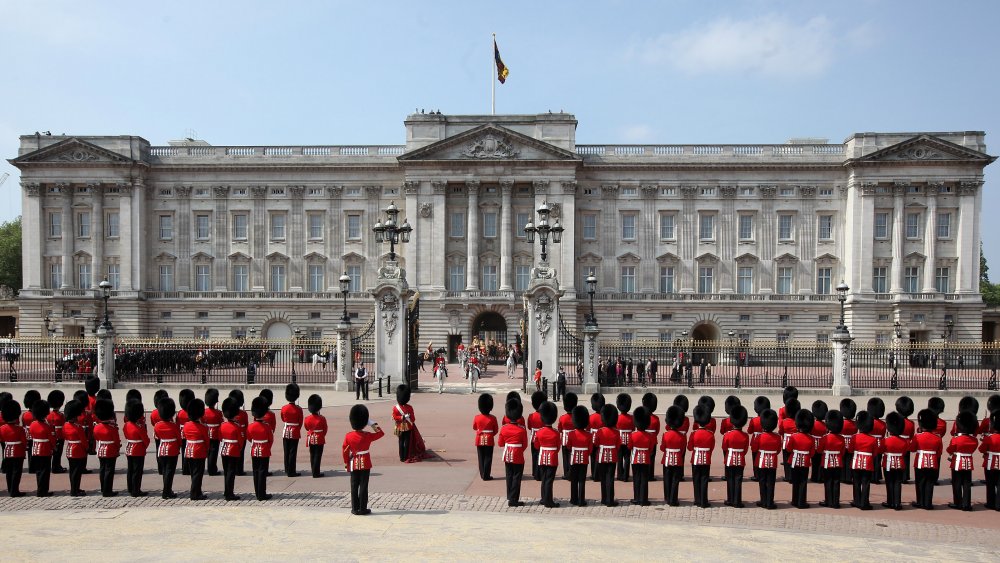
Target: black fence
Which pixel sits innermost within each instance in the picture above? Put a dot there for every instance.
(570, 355)
(48, 359)
(941, 366)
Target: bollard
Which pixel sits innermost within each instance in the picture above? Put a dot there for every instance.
(894, 381)
(943, 382)
(993, 379)
(388, 383)
(736, 380)
(380, 388)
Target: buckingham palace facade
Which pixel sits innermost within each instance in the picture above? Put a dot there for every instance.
(203, 241)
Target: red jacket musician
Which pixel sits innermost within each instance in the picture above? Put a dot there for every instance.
(547, 441)
(514, 440)
(357, 458)
(485, 425)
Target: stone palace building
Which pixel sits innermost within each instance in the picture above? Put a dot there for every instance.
(203, 241)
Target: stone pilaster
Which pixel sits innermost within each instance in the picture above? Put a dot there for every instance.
(898, 234)
(183, 237)
(392, 294)
(35, 225)
(97, 269)
(472, 237)
(841, 364)
(257, 231)
(296, 239)
(930, 239)
(68, 234)
(506, 235)
(591, 345)
(344, 356)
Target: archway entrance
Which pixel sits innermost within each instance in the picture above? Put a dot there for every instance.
(278, 331)
(705, 337)
(490, 328)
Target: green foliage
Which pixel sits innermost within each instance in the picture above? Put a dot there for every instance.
(990, 291)
(10, 254)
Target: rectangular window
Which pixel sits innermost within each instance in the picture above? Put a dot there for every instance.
(667, 227)
(627, 284)
(83, 280)
(912, 225)
(666, 279)
(628, 336)
(825, 227)
(910, 276)
(316, 283)
(354, 272)
(522, 275)
(166, 277)
(241, 277)
(456, 277)
(277, 277)
(354, 227)
(824, 277)
(744, 280)
(202, 333)
(239, 227)
(706, 282)
(944, 225)
(666, 336)
(202, 227)
(590, 227)
(746, 227)
(201, 315)
(278, 226)
(115, 276)
(166, 227)
(55, 276)
(83, 224)
(203, 277)
(457, 225)
(490, 224)
(706, 227)
(112, 227)
(784, 280)
(784, 318)
(55, 225)
(628, 226)
(881, 225)
(315, 226)
(166, 333)
(879, 278)
(489, 277)
(521, 219)
(744, 319)
(941, 280)
(785, 227)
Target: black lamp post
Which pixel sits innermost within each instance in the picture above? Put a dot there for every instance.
(544, 229)
(253, 332)
(50, 329)
(591, 320)
(898, 330)
(842, 290)
(345, 286)
(105, 286)
(391, 231)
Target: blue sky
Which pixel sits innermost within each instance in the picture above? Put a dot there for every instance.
(252, 72)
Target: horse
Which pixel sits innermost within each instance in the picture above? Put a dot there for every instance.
(511, 364)
(320, 358)
(440, 373)
(474, 373)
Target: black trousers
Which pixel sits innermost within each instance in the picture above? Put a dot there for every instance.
(229, 470)
(185, 470)
(485, 456)
(404, 445)
(577, 484)
(315, 459)
(817, 468)
(671, 483)
(547, 474)
(28, 456)
(169, 465)
(259, 465)
(76, 467)
(197, 468)
(831, 487)
(43, 471)
(734, 486)
(513, 474)
(846, 474)
(862, 488)
(925, 481)
(606, 475)
(961, 488)
(906, 467)
(992, 483)
(624, 462)
(593, 464)
(640, 484)
(213, 456)
(107, 475)
(565, 463)
(241, 468)
(534, 464)
(765, 482)
(57, 454)
(699, 478)
(360, 389)
(159, 460)
(754, 457)
(291, 449)
(359, 489)
(799, 477)
(877, 473)
(13, 468)
(133, 475)
(894, 487)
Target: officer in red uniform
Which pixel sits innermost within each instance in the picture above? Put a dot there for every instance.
(291, 415)
(169, 435)
(904, 406)
(513, 396)
(213, 422)
(927, 459)
(513, 439)
(357, 458)
(486, 427)
(864, 446)
(767, 447)
(961, 447)
(43, 439)
(196, 449)
(607, 444)
(231, 446)
(673, 444)
(819, 411)
(565, 428)
(709, 404)
(404, 417)
(56, 399)
(596, 406)
(992, 406)
(30, 397)
(787, 394)
(316, 429)
(243, 420)
(547, 442)
(534, 423)
(801, 448)
(849, 409)
(970, 404)
(136, 444)
(730, 403)
(579, 444)
(183, 398)
(154, 417)
(701, 444)
(735, 444)
(643, 448)
(876, 408)
(108, 444)
(261, 437)
(760, 404)
(269, 417)
(14, 439)
(786, 428)
(990, 448)
(831, 458)
(650, 403)
(936, 404)
(76, 446)
(92, 385)
(625, 427)
(894, 447)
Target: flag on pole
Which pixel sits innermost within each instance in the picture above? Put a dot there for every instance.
(502, 70)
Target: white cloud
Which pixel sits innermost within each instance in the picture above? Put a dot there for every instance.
(639, 133)
(767, 45)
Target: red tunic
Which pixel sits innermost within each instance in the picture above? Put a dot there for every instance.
(271, 421)
(672, 445)
(607, 443)
(928, 448)
(850, 429)
(954, 428)
(766, 445)
(565, 427)
(486, 429)
(243, 420)
(169, 435)
(786, 428)
(154, 417)
(136, 439)
(594, 425)
(802, 447)
(685, 426)
(643, 447)
(725, 426)
(990, 448)
(291, 415)
(107, 440)
(984, 426)
(753, 428)
(213, 421)
(27, 418)
(941, 428)
(818, 431)
(356, 447)
(711, 426)
(625, 428)
(654, 427)
(701, 443)
(831, 449)
(513, 439)
(182, 418)
(260, 437)
(961, 448)
(196, 440)
(232, 439)
(734, 447)
(404, 417)
(42, 438)
(75, 439)
(57, 420)
(908, 429)
(865, 448)
(14, 440)
(534, 423)
(547, 441)
(893, 449)
(315, 425)
(878, 431)
(519, 422)
(579, 446)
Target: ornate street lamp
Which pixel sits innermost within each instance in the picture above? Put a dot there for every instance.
(544, 229)
(50, 329)
(105, 286)
(253, 332)
(591, 320)
(898, 330)
(391, 231)
(842, 290)
(345, 286)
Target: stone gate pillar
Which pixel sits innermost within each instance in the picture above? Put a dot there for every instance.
(591, 384)
(392, 295)
(343, 356)
(542, 303)
(841, 363)
(106, 357)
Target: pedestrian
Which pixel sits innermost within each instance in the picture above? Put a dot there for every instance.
(361, 383)
(231, 446)
(42, 440)
(643, 448)
(961, 447)
(136, 444)
(735, 444)
(831, 453)
(625, 427)
(316, 430)
(801, 448)
(990, 448)
(649, 402)
(560, 383)
(404, 418)
(672, 445)
(260, 436)
(196, 449)
(607, 443)
(513, 439)
(169, 435)
(864, 446)
(546, 441)
(76, 446)
(566, 427)
(291, 415)
(357, 459)
(927, 462)
(485, 425)
(766, 447)
(212, 421)
(14, 438)
(892, 459)
(535, 423)
(701, 444)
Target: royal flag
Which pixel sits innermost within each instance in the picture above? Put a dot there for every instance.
(502, 70)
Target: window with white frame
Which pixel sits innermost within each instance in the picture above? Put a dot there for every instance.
(83, 277)
(354, 272)
(666, 336)
(944, 225)
(746, 227)
(241, 277)
(315, 226)
(490, 224)
(55, 275)
(203, 277)
(880, 279)
(239, 226)
(166, 227)
(278, 224)
(115, 276)
(353, 226)
(112, 225)
(825, 226)
(627, 279)
(202, 226)
(667, 225)
(881, 225)
(456, 224)
(521, 219)
(911, 276)
(83, 224)
(706, 226)
(628, 226)
(278, 277)
(822, 338)
(706, 279)
(316, 278)
(942, 279)
(456, 277)
(824, 280)
(166, 276)
(522, 275)
(784, 285)
(912, 225)
(489, 281)
(785, 231)
(744, 280)
(202, 333)
(666, 279)
(55, 224)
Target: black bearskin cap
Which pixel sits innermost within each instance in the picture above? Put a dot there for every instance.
(196, 409)
(485, 403)
(73, 409)
(104, 410)
(804, 421)
(159, 394)
(904, 406)
(992, 404)
(92, 384)
(968, 403)
(402, 394)
(570, 401)
(834, 422)
(82, 397)
(624, 402)
(674, 417)
(40, 409)
(876, 407)
(609, 416)
(549, 413)
(682, 402)
(894, 423)
(848, 408)
(184, 397)
(258, 407)
(268, 396)
(738, 418)
(702, 416)
(315, 404)
(936, 404)
(166, 408)
(927, 419)
(537, 398)
(514, 410)
(708, 402)
(581, 417)
(230, 409)
(966, 422)
(865, 422)
(358, 417)
(56, 399)
(131, 395)
(211, 397)
(641, 418)
(513, 396)
(761, 404)
(995, 421)
(30, 396)
(237, 396)
(4, 397)
(768, 420)
(596, 402)
(819, 410)
(789, 393)
(104, 394)
(292, 392)
(650, 402)
(792, 408)
(731, 401)
(11, 411)
(133, 411)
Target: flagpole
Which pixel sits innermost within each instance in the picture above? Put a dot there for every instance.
(493, 83)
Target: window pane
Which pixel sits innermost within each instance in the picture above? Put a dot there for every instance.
(83, 224)
(823, 280)
(55, 276)
(941, 280)
(705, 281)
(784, 227)
(278, 226)
(628, 279)
(316, 278)
(826, 226)
(881, 225)
(166, 227)
(944, 225)
(55, 224)
(114, 276)
(166, 278)
(113, 227)
(521, 219)
(746, 227)
(456, 277)
(83, 276)
(240, 227)
(202, 226)
(354, 227)
(912, 225)
(706, 228)
(354, 272)
(879, 279)
(241, 278)
(522, 277)
(744, 280)
(490, 224)
(784, 280)
(666, 279)
(489, 278)
(457, 225)
(589, 227)
(315, 226)
(203, 278)
(628, 227)
(666, 227)
(910, 276)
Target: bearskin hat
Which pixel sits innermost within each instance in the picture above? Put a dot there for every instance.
(968, 403)
(82, 396)
(166, 408)
(804, 421)
(834, 422)
(682, 402)
(56, 399)
(237, 396)
(30, 396)
(876, 407)
(211, 397)
(485, 403)
(159, 394)
(731, 401)
(40, 409)
(184, 397)
(848, 408)
(789, 393)
(641, 419)
(993, 403)
(4, 397)
(965, 421)
(258, 407)
(73, 410)
(358, 417)
(768, 420)
(927, 419)
(650, 402)
(292, 392)
(995, 421)
(133, 411)
(819, 410)
(581, 417)
(268, 396)
(596, 402)
(894, 423)
(402, 394)
(537, 398)
(92, 385)
(549, 413)
(513, 410)
(624, 402)
(11, 411)
(513, 396)
(761, 404)
(702, 416)
(570, 401)
(904, 406)
(674, 417)
(230, 409)
(132, 395)
(792, 408)
(104, 410)
(104, 394)
(315, 403)
(196, 409)
(936, 404)
(708, 402)
(609, 416)
(865, 422)
(738, 418)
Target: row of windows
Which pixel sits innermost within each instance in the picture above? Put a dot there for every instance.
(112, 224)
(488, 280)
(779, 336)
(913, 226)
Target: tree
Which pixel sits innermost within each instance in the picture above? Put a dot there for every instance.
(10, 254)
(990, 291)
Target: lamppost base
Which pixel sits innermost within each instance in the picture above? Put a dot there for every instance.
(591, 388)
(841, 391)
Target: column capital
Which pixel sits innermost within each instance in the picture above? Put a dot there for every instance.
(648, 190)
(933, 188)
(807, 191)
(767, 191)
(506, 186)
(439, 186)
(183, 191)
(899, 188)
(569, 186)
(297, 191)
(373, 190)
(222, 192)
(33, 189)
(334, 191)
(969, 187)
(411, 187)
(472, 186)
(609, 191)
(124, 188)
(541, 186)
(727, 192)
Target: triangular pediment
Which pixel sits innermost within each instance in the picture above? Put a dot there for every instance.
(827, 257)
(923, 149)
(239, 256)
(707, 257)
(164, 257)
(629, 257)
(352, 257)
(488, 143)
(747, 258)
(787, 257)
(914, 256)
(668, 258)
(277, 256)
(589, 257)
(314, 256)
(201, 256)
(73, 151)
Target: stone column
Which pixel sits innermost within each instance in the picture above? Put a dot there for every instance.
(344, 356)
(411, 251)
(334, 237)
(506, 236)
(297, 240)
(930, 239)
(106, 357)
(97, 270)
(472, 237)
(139, 251)
(610, 237)
(567, 248)
(966, 278)
(392, 295)
(257, 231)
(898, 234)
(125, 246)
(35, 225)
(183, 237)
(439, 227)
(591, 383)
(542, 302)
(841, 342)
(68, 232)
(768, 240)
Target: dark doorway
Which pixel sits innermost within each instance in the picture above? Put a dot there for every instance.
(491, 330)
(453, 341)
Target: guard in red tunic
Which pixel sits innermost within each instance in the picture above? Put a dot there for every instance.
(760, 404)
(730, 403)
(196, 450)
(596, 407)
(269, 417)
(682, 402)
(565, 428)
(486, 427)
(92, 385)
(136, 444)
(626, 426)
(787, 394)
(231, 446)
(244, 421)
(579, 443)
(801, 448)
(894, 447)
(786, 428)
(992, 406)
(961, 447)
(316, 429)
(169, 435)
(154, 417)
(990, 448)
(213, 422)
(534, 423)
(43, 438)
(649, 402)
(936, 404)
(876, 408)
(607, 443)
(819, 411)
(766, 447)
(831, 458)
(735, 444)
(30, 397)
(183, 398)
(56, 399)
(357, 458)
(709, 404)
(513, 396)
(76, 446)
(849, 409)
(970, 404)
(927, 459)
(14, 439)
(514, 440)
(291, 415)
(865, 447)
(261, 437)
(701, 444)
(643, 448)
(404, 417)
(547, 442)
(672, 445)
(108, 444)
(904, 406)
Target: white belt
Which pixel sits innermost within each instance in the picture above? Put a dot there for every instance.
(196, 441)
(356, 454)
(508, 445)
(67, 441)
(228, 441)
(702, 450)
(134, 441)
(731, 454)
(322, 431)
(993, 458)
(548, 449)
(672, 450)
(489, 432)
(799, 456)
(258, 441)
(41, 440)
(612, 448)
(16, 443)
(575, 449)
(863, 454)
(213, 425)
(162, 440)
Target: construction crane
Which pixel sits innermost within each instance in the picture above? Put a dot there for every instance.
(4, 178)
